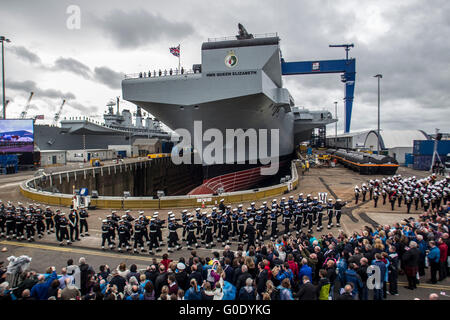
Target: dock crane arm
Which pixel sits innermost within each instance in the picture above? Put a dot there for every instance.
(347, 67)
(58, 114)
(23, 114)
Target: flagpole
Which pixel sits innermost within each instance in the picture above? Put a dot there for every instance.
(179, 58)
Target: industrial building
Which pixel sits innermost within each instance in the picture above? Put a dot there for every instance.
(125, 150)
(53, 157)
(87, 155)
(146, 146)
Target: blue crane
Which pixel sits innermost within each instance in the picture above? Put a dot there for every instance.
(347, 67)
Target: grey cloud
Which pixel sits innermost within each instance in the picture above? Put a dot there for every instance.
(72, 65)
(83, 109)
(139, 28)
(25, 54)
(28, 86)
(108, 77)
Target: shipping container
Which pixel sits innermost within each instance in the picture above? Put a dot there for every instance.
(423, 162)
(409, 159)
(426, 147)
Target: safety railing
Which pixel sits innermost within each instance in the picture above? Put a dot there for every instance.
(161, 73)
(255, 36)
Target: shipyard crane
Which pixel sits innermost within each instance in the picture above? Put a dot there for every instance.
(23, 115)
(346, 67)
(58, 114)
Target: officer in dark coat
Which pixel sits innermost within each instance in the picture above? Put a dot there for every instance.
(250, 232)
(106, 233)
(29, 227)
(124, 236)
(73, 226)
(38, 218)
(49, 220)
(330, 211)
(173, 234)
(63, 232)
(209, 240)
(153, 236)
(83, 222)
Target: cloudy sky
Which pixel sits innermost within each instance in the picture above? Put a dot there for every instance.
(405, 40)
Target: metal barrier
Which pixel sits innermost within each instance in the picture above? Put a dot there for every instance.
(188, 201)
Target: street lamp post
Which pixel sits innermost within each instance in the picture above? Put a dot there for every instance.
(2, 40)
(335, 124)
(379, 76)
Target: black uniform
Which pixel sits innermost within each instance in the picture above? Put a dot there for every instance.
(83, 222)
(73, 226)
(63, 232)
(191, 239)
(29, 226)
(20, 225)
(2, 222)
(375, 198)
(330, 210)
(10, 222)
(209, 233)
(225, 229)
(286, 221)
(49, 220)
(106, 234)
(241, 227)
(173, 235)
(338, 209)
(319, 209)
(40, 226)
(274, 224)
(124, 236)
(250, 232)
(138, 236)
(154, 236)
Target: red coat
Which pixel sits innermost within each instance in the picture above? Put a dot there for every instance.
(294, 267)
(444, 251)
(269, 272)
(166, 263)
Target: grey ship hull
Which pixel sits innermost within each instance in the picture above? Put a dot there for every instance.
(56, 138)
(244, 93)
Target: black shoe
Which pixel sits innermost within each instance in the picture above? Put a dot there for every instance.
(408, 287)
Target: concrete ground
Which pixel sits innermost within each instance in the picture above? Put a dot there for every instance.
(337, 182)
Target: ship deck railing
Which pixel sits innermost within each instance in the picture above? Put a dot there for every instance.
(131, 130)
(164, 73)
(255, 36)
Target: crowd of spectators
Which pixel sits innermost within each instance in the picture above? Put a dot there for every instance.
(300, 267)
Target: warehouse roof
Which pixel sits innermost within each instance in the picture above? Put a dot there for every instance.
(395, 138)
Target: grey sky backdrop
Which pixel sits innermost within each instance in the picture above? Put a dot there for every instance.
(407, 41)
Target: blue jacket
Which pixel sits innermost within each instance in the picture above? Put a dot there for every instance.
(40, 290)
(285, 293)
(192, 295)
(434, 255)
(285, 274)
(383, 269)
(140, 297)
(422, 245)
(352, 277)
(305, 270)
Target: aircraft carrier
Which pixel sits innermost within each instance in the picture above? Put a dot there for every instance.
(238, 85)
(78, 133)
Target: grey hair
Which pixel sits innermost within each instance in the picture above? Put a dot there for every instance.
(413, 244)
(82, 260)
